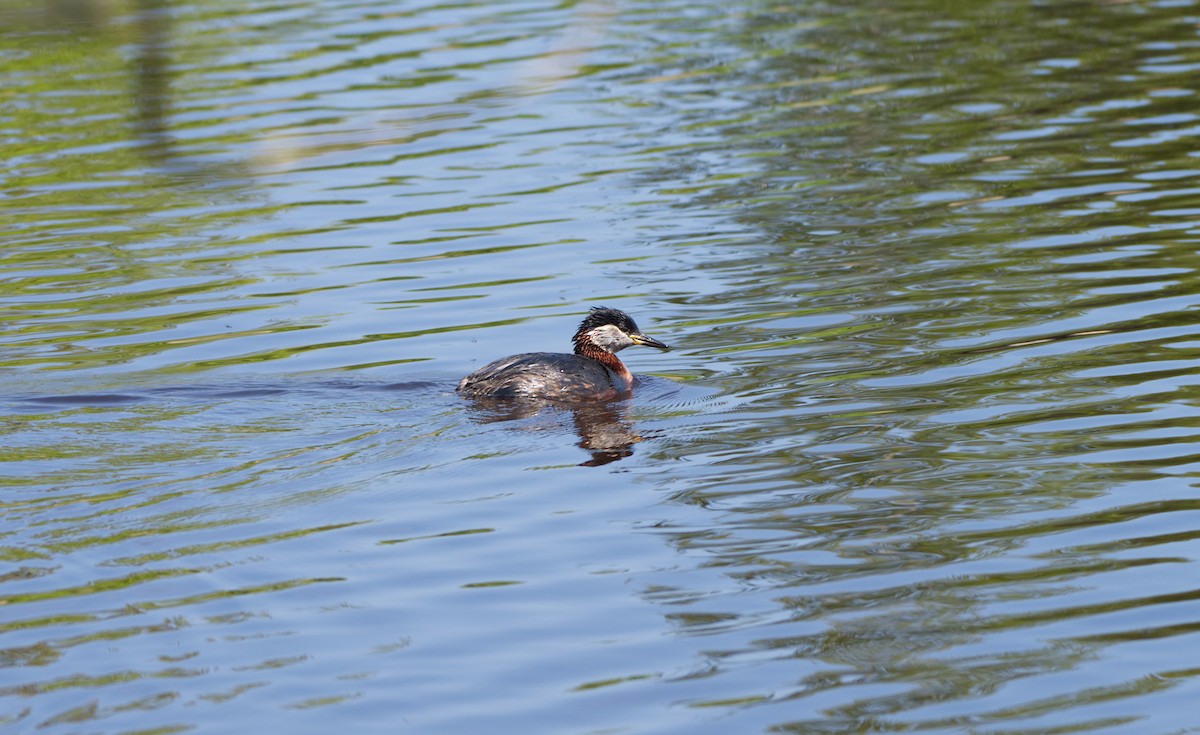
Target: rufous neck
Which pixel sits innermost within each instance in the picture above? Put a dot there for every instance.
(607, 359)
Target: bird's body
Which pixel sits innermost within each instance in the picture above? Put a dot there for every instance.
(592, 372)
(546, 375)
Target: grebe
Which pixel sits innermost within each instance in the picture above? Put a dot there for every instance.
(593, 372)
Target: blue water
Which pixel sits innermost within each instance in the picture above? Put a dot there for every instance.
(923, 456)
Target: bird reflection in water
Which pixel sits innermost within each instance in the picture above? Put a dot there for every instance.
(602, 427)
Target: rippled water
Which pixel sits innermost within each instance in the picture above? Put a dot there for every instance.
(924, 456)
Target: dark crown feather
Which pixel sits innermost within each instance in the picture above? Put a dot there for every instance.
(601, 315)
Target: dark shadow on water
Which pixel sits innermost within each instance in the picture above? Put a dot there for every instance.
(416, 385)
(208, 392)
(84, 399)
(603, 428)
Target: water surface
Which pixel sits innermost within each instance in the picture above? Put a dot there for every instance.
(923, 458)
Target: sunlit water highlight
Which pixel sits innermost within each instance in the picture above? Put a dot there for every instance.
(922, 459)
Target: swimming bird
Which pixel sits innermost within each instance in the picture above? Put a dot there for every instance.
(593, 372)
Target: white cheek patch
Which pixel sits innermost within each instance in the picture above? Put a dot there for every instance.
(609, 337)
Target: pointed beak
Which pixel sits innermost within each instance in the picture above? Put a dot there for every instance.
(641, 339)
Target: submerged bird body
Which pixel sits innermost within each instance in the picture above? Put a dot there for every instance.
(593, 372)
